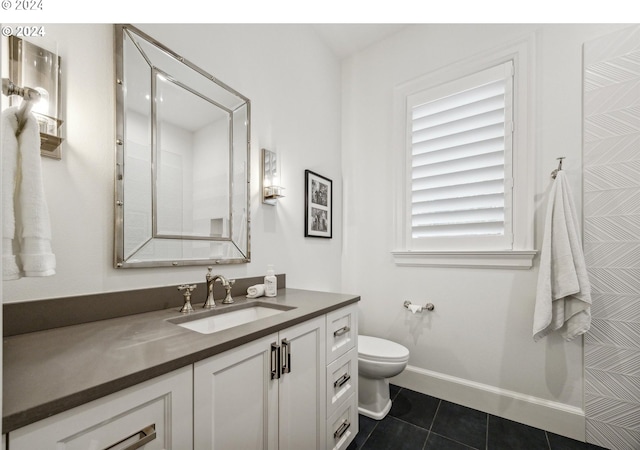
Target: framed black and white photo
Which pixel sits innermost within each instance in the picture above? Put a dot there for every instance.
(318, 204)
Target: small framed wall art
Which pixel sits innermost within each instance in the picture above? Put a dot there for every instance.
(318, 205)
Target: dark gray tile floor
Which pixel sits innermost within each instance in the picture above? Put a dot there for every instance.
(421, 422)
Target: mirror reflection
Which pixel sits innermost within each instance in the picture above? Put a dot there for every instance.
(182, 163)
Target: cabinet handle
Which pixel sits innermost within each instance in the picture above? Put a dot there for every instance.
(286, 350)
(342, 380)
(344, 426)
(146, 435)
(341, 331)
(275, 361)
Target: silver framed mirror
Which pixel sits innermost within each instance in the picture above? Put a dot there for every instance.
(182, 160)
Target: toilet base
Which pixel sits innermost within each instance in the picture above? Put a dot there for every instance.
(373, 397)
(377, 415)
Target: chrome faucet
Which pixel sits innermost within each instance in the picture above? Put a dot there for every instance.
(211, 280)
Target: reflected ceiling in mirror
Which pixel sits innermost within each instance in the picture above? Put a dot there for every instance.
(182, 160)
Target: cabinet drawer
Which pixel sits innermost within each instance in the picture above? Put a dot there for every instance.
(342, 427)
(342, 331)
(342, 380)
(155, 414)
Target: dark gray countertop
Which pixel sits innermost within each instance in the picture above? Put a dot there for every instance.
(51, 371)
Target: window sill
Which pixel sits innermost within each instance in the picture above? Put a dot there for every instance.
(507, 259)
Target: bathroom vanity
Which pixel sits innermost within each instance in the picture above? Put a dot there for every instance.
(284, 381)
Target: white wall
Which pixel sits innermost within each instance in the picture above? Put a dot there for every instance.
(293, 82)
(476, 347)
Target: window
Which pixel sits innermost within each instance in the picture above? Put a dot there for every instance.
(466, 189)
(460, 144)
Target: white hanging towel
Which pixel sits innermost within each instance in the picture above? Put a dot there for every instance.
(26, 229)
(563, 296)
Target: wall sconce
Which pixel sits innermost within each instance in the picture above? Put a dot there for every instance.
(271, 189)
(33, 66)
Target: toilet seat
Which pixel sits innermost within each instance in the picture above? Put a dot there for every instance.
(381, 350)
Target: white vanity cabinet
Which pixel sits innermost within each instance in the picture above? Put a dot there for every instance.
(154, 415)
(290, 390)
(267, 394)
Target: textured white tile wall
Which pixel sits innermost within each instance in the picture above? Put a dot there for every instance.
(612, 238)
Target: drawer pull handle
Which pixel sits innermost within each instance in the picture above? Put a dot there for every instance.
(344, 426)
(341, 331)
(342, 380)
(146, 435)
(275, 361)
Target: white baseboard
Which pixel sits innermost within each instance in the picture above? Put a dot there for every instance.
(555, 417)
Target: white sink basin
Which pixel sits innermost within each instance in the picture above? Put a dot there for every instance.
(224, 320)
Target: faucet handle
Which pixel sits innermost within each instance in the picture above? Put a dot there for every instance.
(188, 289)
(228, 299)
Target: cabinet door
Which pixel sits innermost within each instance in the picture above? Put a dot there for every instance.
(157, 412)
(302, 386)
(235, 400)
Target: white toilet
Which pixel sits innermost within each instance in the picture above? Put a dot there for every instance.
(378, 360)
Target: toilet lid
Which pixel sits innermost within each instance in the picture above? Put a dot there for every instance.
(377, 349)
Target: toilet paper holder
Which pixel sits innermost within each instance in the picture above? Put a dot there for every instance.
(417, 308)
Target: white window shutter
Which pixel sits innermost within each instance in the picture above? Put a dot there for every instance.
(460, 152)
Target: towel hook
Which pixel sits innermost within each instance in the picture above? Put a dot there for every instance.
(29, 95)
(555, 172)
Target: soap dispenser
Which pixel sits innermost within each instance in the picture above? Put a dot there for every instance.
(270, 283)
